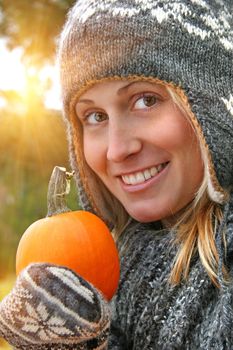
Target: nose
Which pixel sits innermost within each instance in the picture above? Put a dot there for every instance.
(122, 142)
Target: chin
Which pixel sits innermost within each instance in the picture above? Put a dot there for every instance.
(144, 217)
(147, 214)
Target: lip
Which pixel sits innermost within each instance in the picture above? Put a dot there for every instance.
(147, 183)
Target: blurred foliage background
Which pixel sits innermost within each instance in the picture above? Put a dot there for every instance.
(32, 136)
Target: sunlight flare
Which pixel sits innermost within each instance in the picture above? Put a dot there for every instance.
(28, 81)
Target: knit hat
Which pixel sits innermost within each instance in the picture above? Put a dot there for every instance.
(51, 308)
(187, 44)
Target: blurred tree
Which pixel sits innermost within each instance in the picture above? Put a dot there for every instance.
(30, 147)
(32, 138)
(33, 25)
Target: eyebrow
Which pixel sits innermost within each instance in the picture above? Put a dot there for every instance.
(126, 87)
(85, 101)
(119, 92)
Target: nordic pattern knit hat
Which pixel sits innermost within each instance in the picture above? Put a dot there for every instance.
(187, 44)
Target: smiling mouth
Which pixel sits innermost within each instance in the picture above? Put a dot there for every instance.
(142, 176)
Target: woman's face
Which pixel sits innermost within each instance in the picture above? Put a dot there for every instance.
(141, 146)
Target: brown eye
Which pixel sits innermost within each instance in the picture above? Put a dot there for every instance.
(99, 117)
(96, 117)
(145, 101)
(149, 100)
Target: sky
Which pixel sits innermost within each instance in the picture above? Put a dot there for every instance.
(12, 75)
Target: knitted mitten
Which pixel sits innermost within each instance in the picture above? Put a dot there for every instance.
(50, 307)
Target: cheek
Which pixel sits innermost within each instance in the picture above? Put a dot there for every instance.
(180, 140)
(189, 161)
(89, 154)
(176, 133)
(94, 154)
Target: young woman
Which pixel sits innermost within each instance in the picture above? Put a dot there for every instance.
(148, 102)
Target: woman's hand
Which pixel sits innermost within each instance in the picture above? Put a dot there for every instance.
(51, 307)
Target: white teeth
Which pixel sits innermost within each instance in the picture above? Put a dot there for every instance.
(153, 171)
(126, 179)
(147, 174)
(140, 177)
(132, 179)
(160, 167)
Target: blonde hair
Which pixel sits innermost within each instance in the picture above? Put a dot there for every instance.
(197, 225)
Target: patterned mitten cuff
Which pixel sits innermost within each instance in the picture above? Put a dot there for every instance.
(52, 308)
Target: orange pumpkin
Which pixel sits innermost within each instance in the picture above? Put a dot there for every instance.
(75, 239)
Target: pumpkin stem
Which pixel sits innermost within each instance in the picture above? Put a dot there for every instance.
(59, 187)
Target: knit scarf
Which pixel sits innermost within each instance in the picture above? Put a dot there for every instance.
(155, 315)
